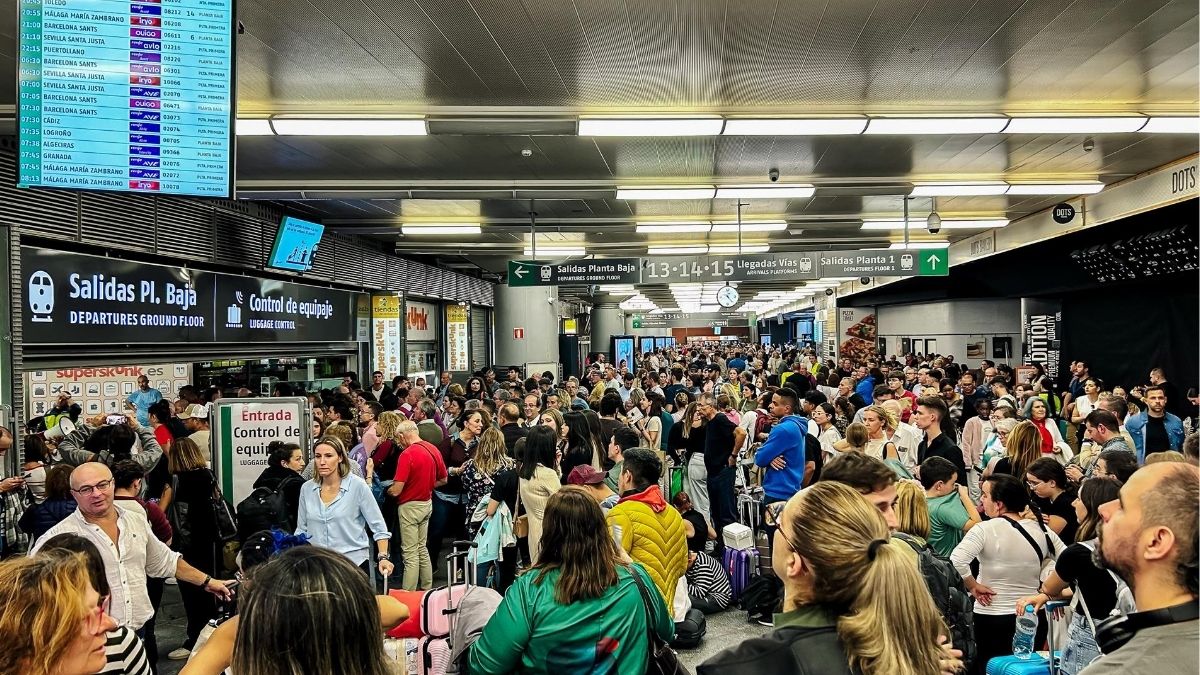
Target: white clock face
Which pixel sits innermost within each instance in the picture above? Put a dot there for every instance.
(727, 296)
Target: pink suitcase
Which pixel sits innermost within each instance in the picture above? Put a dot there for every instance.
(437, 614)
(434, 656)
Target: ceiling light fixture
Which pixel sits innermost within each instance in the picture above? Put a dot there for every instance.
(775, 191)
(673, 227)
(650, 126)
(253, 127)
(555, 252)
(947, 224)
(749, 226)
(440, 228)
(918, 244)
(676, 250)
(795, 126)
(902, 126)
(1075, 125)
(691, 192)
(735, 249)
(1172, 125)
(958, 189)
(341, 126)
(1055, 188)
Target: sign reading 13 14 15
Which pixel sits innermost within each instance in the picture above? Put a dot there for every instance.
(767, 267)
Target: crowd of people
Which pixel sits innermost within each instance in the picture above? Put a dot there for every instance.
(912, 508)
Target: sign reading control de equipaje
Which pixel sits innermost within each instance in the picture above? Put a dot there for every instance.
(81, 299)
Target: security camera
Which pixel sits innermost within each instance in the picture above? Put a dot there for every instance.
(933, 223)
(828, 291)
(864, 280)
(1089, 144)
(773, 174)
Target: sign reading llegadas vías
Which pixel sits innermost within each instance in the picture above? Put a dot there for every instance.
(70, 298)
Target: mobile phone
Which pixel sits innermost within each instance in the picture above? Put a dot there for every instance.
(115, 420)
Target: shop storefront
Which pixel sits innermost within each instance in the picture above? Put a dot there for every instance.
(422, 321)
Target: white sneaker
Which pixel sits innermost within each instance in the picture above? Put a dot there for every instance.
(180, 654)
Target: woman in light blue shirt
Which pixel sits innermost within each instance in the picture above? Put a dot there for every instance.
(336, 508)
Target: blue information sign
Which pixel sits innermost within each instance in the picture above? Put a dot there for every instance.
(132, 95)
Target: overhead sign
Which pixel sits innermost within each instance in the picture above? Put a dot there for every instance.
(606, 271)
(691, 319)
(83, 299)
(244, 429)
(761, 267)
(894, 263)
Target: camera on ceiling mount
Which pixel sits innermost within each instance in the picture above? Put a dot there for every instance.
(773, 174)
(864, 280)
(1089, 144)
(828, 291)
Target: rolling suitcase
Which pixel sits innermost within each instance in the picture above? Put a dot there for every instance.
(740, 564)
(1036, 664)
(438, 608)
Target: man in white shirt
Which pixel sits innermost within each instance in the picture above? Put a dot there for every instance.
(195, 418)
(130, 552)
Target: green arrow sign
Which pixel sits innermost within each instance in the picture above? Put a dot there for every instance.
(521, 273)
(934, 262)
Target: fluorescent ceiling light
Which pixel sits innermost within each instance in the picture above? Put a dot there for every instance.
(783, 126)
(253, 127)
(750, 226)
(551, 251)
(710, 308)
(782, 191)
(958, 189)
(440, 228)
(1056, 189)
(918, 244)
(1171, 125)
(1075, 125)
(676, 250)
(672, 228)
(650, 126)
(294, 126)
(665, 193)
(947, 224)
(936, 125)
(618, 288)
(748, 248)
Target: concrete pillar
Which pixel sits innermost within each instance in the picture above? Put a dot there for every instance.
(607, 320)
(533, 309)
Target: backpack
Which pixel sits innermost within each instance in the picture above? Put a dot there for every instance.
(762, 597)
(265, 509)
(953, 602)
(667, 422)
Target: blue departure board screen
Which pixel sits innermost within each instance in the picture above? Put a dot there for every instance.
(132, 95)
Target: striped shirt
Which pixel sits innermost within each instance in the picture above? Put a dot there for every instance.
(125, 654)
(706, 578)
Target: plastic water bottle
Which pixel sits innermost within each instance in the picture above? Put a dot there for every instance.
(1027, 624)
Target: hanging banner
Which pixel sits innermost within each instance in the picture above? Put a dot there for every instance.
(458, 345)
(420, 321)
(1041, 334)
(387, 337)
(856, 332)
(243, 429)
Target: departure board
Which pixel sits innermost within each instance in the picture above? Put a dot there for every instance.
(132, 95)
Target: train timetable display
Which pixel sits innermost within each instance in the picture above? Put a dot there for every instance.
(132, 95)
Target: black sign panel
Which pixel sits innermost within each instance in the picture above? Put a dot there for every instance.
(72, 299)
(265, 310)
(1063, 213)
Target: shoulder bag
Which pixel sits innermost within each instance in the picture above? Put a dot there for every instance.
(520, 522)
(662, 660)
(1046, 559)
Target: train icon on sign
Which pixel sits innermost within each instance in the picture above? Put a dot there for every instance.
(906, 261)
(41, 297)
(545, 272)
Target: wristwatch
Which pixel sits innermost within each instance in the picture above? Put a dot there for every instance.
(204, 584)
(384, 556)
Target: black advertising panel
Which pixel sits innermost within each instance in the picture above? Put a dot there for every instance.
(264, 310)
(74, 299)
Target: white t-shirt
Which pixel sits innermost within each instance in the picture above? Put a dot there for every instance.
(1007, 563)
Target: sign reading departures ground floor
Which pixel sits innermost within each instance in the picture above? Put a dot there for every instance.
(805, 266)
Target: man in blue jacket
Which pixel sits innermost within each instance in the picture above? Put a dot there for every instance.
(1155, 429)
(783, 454)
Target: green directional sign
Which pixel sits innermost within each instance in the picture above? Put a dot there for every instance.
(637, 321)
(521, 273)
(934, 262)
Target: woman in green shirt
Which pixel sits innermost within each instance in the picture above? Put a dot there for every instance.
(579, 609)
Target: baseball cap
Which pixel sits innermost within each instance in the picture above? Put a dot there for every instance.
(584, 474)
(194, 411)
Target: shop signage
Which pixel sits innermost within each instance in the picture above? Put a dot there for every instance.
(386, 334)
(458, 345)
(1041, 331)
(1063, 213)
(857, 330)
(265, 310)
(243, 430)
(82, 299)
(604, 271)
(892, 263)
(420, 321)
(102, 389)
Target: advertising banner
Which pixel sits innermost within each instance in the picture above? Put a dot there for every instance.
(244, 427)
(101, 389)
(387, 339)
(458, 345)
(420, 321)
(856, 333)
(1041, 334)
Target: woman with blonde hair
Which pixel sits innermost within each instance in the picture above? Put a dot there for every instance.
(1023, 448)
(54, 622)
(336, 508)
(912, 510)
(856, 439)
(881, 426)
(480, 471)
(853, 599)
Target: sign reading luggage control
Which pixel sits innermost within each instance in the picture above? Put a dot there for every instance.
(606, 271)
(893, 263)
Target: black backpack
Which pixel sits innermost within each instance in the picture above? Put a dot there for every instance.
(955, 604)
(762, 598)
(265, 509)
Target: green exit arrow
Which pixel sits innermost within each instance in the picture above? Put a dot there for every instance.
(934, 262)
(522, 273)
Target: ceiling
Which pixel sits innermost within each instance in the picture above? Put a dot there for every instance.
(502, 83)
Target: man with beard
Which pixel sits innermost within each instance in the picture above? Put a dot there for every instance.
(1148, 537)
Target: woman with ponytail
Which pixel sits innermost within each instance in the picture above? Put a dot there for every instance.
(853, 601)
